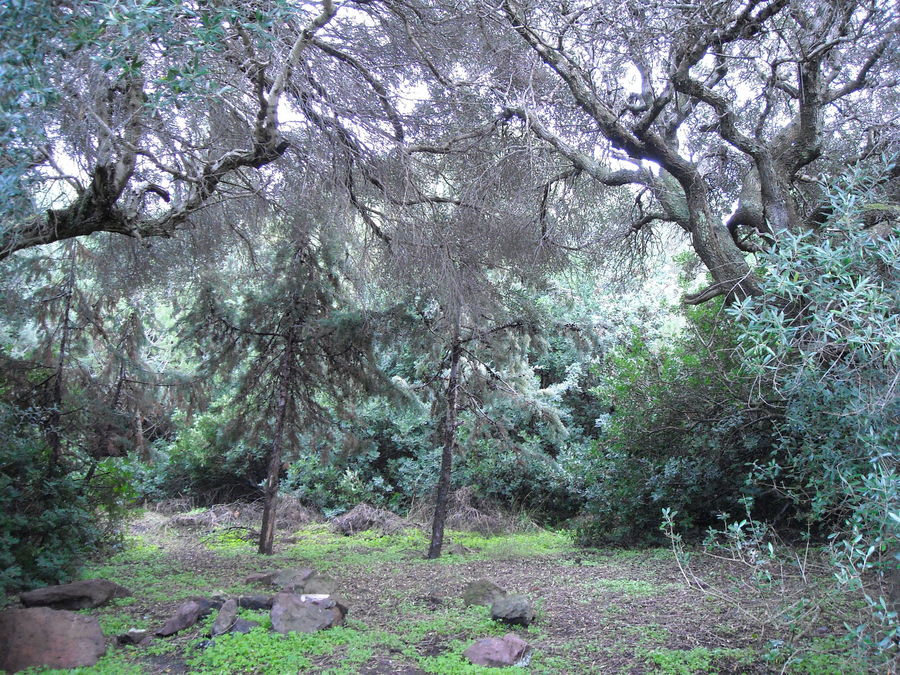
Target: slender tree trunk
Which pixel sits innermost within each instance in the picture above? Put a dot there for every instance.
(267, 532)
(449, 432)
(140, 443)
(54, 419)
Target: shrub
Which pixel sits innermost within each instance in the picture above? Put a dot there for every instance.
(825, 339)
(51, 516)
(680, 435)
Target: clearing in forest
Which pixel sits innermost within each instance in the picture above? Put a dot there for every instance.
(610, 611)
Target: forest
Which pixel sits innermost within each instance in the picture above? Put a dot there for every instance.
(597, 300)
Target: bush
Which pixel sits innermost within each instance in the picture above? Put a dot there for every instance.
(680, 435)
(204, 462)
(51, 517)
(826, 340)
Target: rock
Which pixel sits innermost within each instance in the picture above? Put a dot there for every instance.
(77, 595)
(319, 584)
(243, 626)
(264, 578)
(363, 517)
(306, 613)
(513, 609)
(52, 638)
(292, 580)
(226, 618)
(255, 602)
(133, 637)
(186, 616)
(482, 592)
(510, 650)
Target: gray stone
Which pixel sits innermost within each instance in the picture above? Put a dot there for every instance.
(133, 637)
(243, 626)
(510, 650)
(226, 618)
(255, 602)
(77, 595)
(186, 616)
(482, 592)
(306, 613)
(319, 584)
(292, 580)
(53, 638)
(513, 609)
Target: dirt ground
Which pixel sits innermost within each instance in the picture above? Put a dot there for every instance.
(598, 611)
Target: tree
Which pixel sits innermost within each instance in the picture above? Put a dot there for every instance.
(154, 117)
(293, 351)
(725, 118)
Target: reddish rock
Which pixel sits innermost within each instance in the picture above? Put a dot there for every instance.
(186, 616)
(53, 638)
(495, 652)
(306, 613)
(77, 595)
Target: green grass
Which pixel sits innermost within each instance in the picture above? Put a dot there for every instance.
(228, 542)
(697, 661)
(453, 620)
(517, 545)
(633, 587)
(116, 662)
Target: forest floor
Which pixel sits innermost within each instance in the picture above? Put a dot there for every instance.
(598, 611)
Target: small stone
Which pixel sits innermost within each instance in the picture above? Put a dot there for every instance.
(186, 616)
(133, 637)
(263, 578)
(225, 619)
(319, 584)
(510, 650)
(482, 592)
(292, 580)
(243, 626)
(513, 609)
(255, 602)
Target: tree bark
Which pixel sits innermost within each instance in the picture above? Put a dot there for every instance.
(449, 433)
(270, 494)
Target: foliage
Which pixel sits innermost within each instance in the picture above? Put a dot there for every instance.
(680, 435)
(235, 652)
(51, 516)
(203, 461)
(697, 661)
(826, 340)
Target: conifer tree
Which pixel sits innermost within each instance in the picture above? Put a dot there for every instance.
(296, 354)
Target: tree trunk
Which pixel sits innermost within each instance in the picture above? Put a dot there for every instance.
(54, 419)
(270, 494)
(449, 432)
